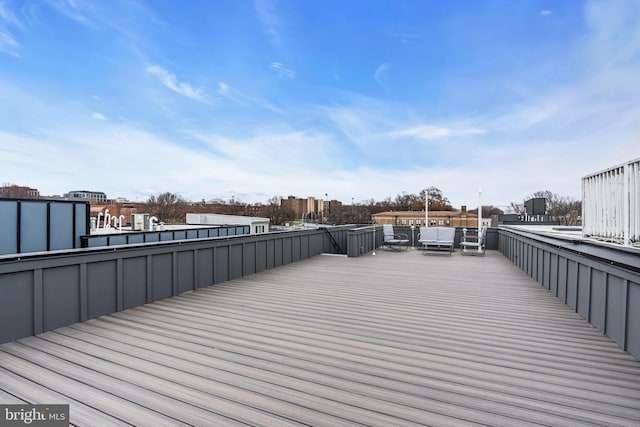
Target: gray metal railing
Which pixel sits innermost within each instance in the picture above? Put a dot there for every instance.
(129, 238)
(601, 284)
(44, 291)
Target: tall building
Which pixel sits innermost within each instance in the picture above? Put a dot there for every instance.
(304, 208)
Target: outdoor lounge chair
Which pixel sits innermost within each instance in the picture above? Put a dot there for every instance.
(393, 241)
(474, 245)
(436, 238)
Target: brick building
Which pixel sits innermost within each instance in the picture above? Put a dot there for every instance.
(455, 218)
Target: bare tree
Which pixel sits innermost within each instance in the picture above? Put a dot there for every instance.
(563, 209)
(489, 210)
(168, 207)
(517, 208)
(278, 213)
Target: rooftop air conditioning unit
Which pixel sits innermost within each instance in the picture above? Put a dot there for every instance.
(140, 222)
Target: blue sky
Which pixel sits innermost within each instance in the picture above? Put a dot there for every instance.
(354, 99)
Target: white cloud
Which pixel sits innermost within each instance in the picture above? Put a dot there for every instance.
(245, 100)
(171, 81)
(98, 116)
(380, 75)
(267, 11)
(223, 88)
(73, 9)
(545, 12)
(8, 43)
(8, 16)
(429, 132)
(282, 71)
(230, 93)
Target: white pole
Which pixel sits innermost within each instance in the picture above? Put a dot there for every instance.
(479, 216)
(626, 220)
(374, 238)
(426, 208)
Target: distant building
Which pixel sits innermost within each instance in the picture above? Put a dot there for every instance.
(92, 196)
(309, 208)
(460, 218)
(18, 192)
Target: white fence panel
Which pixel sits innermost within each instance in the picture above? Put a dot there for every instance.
(611, 204)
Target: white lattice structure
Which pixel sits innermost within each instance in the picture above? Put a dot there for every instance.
(611, 204)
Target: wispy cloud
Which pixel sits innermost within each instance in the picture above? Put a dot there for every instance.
(8, 43)
(545, 12)
(171, 81)
(228, 92)
(7, 15)
(429, 132)
(98, 116)
(380, 75)
(241, 99)
(73, 9)
(406, 36)
(282, 71)
(267, 11)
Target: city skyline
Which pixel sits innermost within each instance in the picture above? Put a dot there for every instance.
(255, 99)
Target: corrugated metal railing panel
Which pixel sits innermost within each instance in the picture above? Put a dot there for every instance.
(39, 292)
(605, 295)
(611, 204)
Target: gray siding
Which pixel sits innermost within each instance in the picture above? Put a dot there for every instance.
(602, 290)
(45, 291)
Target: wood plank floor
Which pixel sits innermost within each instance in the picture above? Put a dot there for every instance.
(389, 340)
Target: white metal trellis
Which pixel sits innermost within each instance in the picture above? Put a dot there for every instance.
(611, 204)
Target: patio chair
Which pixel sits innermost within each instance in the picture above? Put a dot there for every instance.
(393, 241)
(436, 238)
(474, 245)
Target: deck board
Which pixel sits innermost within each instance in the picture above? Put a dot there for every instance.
(392, 339)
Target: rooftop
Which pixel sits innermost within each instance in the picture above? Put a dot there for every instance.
(391, 339)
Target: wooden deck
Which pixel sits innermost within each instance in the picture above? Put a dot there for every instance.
(390, 340)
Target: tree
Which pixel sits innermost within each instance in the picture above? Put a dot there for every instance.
(167, 207)
(517, 208)
(277, 213)
(563, 209)
(437, 201)
(489, 210)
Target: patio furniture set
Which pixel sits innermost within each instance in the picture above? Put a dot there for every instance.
(439, 239)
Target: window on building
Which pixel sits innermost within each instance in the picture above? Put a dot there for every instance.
(440, 222)
(410, 222)
(397, 221)
(417, 222)
(404, 222)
